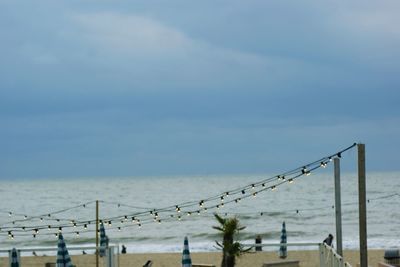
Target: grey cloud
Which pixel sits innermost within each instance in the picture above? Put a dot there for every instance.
(180, 87)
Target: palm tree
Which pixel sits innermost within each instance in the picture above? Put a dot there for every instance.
(231, 249)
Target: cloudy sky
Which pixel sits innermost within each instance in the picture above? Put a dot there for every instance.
(133, 88)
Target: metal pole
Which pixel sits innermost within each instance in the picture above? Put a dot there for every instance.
(97, 233)
(362, 206)
(338, 208)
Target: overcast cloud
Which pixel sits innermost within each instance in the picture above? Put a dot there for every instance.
(132, 88)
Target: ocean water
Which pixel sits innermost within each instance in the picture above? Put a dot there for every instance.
(306, 206)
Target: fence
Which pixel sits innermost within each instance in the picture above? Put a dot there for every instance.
(330, 258)
(47, 256)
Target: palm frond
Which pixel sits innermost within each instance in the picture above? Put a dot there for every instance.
(219, 244)
(219, 219)
(229, 227)
(218, 228)
(241, 228)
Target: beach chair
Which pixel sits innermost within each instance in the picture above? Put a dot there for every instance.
(149, 263)
(382, 264)
(285, 263)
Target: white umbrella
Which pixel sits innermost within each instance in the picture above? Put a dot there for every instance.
(103, 240)
(14, 258)
(283, 249)
(186, 260)
(63, 259)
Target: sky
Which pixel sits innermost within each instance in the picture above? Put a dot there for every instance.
(156, 88)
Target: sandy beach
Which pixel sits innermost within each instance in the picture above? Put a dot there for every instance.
(307, 258)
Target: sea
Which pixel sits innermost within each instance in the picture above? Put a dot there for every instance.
(154, 214)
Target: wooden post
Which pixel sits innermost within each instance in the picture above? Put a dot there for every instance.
(322, 260)
(97, 233)
(362, 206)
(338, 208)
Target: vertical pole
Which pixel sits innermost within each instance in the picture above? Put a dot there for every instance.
(321, 255)
(362, 206)
(338, 207)
(97, 233)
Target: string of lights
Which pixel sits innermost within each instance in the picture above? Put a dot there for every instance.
(47, 216)
(176, 211)
(297, 210)
(125, 205)
(139, 223)
(288, 176)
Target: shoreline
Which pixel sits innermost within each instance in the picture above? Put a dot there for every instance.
(307, 258)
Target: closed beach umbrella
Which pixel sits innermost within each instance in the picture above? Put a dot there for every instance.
(283, 249)
(63, 259)
(14, 260)
(103, 240)
(186, 260)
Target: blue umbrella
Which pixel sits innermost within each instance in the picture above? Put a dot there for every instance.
(63, 259)
(103, 240)
(283, 249)
(14, 260)
(186, 260)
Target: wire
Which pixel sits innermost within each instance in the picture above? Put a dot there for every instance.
(177, 210)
